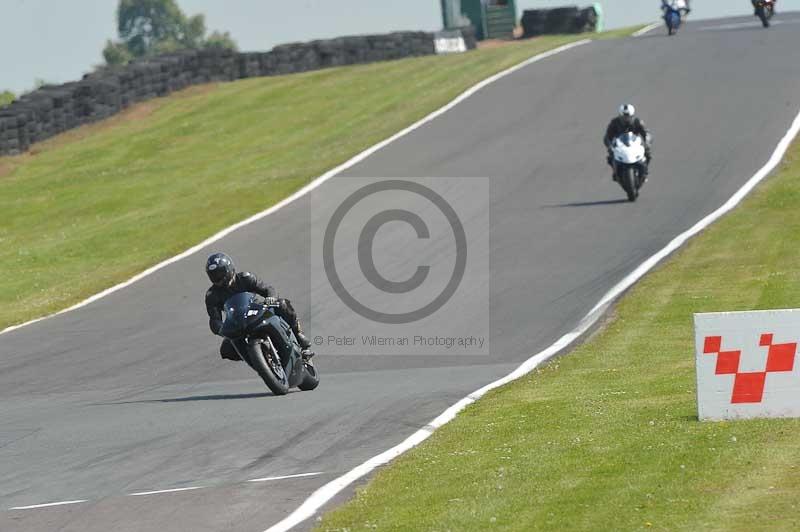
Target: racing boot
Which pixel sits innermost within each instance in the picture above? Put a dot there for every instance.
(646, 166)
(305, 344)
(228, 352)
(610, 161)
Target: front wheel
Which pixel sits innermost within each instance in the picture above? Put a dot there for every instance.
(762, 14)
(268, 365)
(673, 23)
(630, 183)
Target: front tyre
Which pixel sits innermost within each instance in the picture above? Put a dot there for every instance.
(762, 14)
(268, 365)
(629, 181)
(673, 22)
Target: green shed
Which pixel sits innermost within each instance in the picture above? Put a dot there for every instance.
(492, 19)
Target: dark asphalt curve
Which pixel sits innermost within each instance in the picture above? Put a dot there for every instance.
(129, 395)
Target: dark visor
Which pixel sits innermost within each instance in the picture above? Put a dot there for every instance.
(216, 275)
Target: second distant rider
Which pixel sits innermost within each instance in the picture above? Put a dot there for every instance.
(680, 5)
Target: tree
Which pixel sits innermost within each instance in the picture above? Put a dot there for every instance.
(41, 82)
(116, 53)
(142, 24)
(6, 97)
(194, 31)
(220, 40)
(148, 27)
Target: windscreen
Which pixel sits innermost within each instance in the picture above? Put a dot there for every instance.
(628, 138)
(236, 309)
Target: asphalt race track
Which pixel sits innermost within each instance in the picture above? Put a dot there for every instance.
(129, 395)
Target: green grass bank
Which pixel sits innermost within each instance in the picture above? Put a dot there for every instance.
(95, 206)
(607, 438)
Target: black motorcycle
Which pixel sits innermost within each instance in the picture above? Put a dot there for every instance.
(266, 342)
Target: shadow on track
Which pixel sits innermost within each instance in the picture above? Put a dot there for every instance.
(227, 397)
(586, 204)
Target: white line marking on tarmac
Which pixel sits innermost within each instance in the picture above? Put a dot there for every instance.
(309, 187)
(164, 491)
(755, 24)
(62, 503)
(646, 29)
(324, 494)
(173, 490)
(266, 479)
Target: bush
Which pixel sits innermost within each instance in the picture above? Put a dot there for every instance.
(6, 97)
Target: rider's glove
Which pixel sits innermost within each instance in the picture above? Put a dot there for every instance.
(271, 301)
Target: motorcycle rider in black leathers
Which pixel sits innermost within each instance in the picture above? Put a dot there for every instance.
(628, 121)
(226, 283)
(755, 6)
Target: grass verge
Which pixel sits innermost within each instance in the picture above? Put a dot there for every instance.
(97, 205)
(607, 438)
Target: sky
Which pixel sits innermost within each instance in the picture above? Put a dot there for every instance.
(60, 40)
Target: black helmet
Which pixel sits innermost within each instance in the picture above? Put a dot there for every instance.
(220, 269)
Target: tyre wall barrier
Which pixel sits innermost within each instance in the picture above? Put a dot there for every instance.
(559, 20)
(52, 109)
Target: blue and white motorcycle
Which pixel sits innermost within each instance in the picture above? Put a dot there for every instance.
(674, 10)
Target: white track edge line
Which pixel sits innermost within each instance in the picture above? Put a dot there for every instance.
(62, 503)
(156, 492)
(309, 187)
(329, 490)
(300, 475)
(646, 29)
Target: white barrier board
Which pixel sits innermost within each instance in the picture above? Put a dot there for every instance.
(449, 42)
(746, 364)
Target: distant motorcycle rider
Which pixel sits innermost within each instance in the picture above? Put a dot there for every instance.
(226, 282)
(755, 6)
(680, 5)
(625, 122)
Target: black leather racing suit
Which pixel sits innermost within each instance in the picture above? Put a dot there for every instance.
(755, 6)
(618, 126)
(244, 282)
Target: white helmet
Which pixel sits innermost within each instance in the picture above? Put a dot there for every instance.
(627, 109)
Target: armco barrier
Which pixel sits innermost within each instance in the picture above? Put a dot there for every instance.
(559, 20)
(50, 110)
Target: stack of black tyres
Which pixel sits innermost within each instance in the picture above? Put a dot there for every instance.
(558, 21)
(50, 110)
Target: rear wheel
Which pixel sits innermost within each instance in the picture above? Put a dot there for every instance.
(268, 365)
(311, 379)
